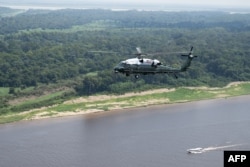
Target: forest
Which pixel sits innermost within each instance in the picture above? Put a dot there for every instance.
(72, 49)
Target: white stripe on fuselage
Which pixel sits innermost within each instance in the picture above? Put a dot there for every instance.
(138, 62)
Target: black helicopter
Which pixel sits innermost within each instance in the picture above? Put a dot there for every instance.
(140, 65)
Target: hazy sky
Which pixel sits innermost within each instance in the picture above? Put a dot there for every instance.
(219, 3)
(242, 3)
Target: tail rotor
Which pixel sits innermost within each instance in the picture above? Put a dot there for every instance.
(190, 54)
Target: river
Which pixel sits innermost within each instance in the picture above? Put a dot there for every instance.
(144, 137)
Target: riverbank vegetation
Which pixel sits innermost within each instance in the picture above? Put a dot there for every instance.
(49, 57)
(104, 103)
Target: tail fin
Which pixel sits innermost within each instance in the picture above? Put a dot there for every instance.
(190, 56)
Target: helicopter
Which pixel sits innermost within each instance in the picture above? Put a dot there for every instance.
(140, 65)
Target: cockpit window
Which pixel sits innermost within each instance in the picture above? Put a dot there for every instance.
(122, 63)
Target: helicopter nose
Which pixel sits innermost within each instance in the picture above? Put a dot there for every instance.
(118, 69)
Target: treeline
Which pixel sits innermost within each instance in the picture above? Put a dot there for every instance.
(63, 19)
(5, 12)
(43, 47)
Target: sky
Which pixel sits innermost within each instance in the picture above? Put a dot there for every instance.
(198, 2)
(237, 3)
(214, 3)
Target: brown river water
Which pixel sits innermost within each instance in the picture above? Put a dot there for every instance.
(154, 136)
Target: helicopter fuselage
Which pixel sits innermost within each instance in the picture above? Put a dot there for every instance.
(143, 66)
(146, 66)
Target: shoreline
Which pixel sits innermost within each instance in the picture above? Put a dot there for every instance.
(124, 7)
(101, 112)
(111, 103)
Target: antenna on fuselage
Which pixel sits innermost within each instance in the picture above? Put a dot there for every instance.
(139, 54)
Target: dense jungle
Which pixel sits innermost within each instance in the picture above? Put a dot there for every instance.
(52, 55)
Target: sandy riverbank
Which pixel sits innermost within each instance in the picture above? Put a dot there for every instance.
(118, 105)
(104, 103)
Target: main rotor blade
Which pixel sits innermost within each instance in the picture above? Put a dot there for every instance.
(101, 51)
(166, 53)
(138, 50)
